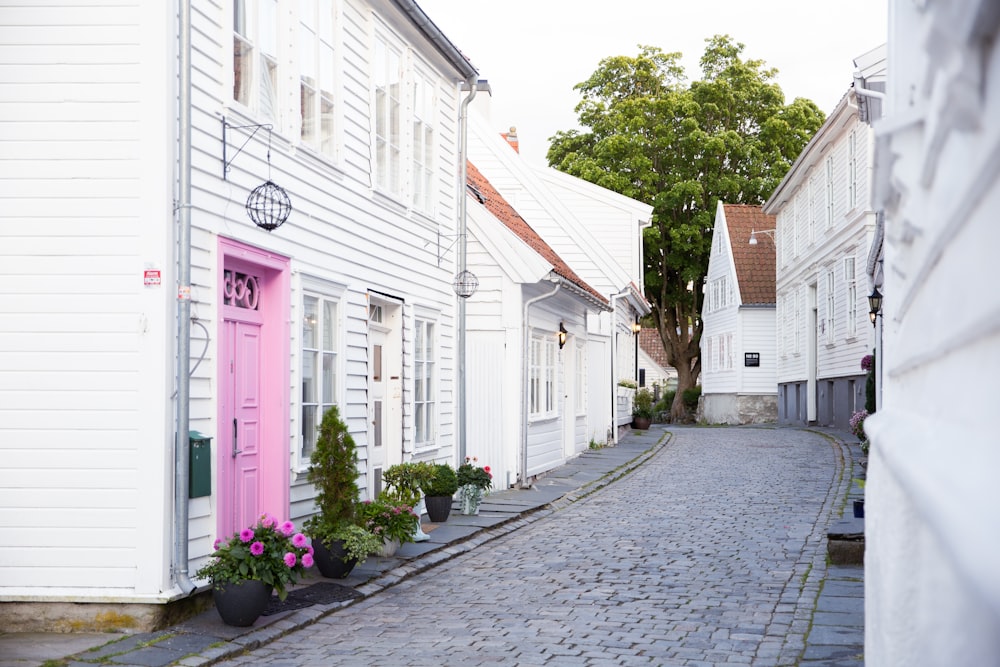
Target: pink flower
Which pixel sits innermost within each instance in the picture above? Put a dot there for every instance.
(287, 528)
(246, 535)
(215, 546)
(267, 520)
(299, 540)
(257, 548)
(486, 468)
(290, 559)
(307, 560)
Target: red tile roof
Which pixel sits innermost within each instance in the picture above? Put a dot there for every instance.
(651, 344)
(754, 263)
(506, 214)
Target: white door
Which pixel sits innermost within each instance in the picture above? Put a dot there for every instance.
(385, 388)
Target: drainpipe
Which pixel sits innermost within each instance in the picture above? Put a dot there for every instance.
(524, 377)
(463, 122)
(614, 363)
(181, 454)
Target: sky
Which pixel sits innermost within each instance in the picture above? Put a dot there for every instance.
(533, 52)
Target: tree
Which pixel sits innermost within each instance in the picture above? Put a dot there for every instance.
(682, 148)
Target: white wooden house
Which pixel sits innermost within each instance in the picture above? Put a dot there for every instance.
(352, 108)
(599, 234)
(825, 226)
(932, 502)
(529, 367)
(738, 376)
(654, 371)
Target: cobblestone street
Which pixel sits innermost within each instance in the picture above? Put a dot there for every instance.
(702, 556)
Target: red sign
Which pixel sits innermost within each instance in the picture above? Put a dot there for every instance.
(151, 277)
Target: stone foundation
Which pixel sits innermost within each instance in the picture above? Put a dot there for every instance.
(99, 616)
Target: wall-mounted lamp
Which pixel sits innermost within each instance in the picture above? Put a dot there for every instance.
(562, 335)
(874, 304)
(636, 328)
(755, 232)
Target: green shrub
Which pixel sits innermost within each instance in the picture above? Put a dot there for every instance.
(690, 398)
(642, 404)
(445, 482)
(665, 402)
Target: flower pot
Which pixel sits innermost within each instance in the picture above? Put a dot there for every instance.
(859, 509)
(242, 603)
(438, 508)
(470, 496)
(389, 548)
(330, 561)
(641, 423)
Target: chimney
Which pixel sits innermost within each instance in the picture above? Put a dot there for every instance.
(511, 138)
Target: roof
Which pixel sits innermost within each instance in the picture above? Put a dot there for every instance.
(505, 213)
(754, 263)
(652, 344)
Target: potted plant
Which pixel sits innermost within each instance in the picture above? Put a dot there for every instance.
(439, 492)
(642, 409)
(249, 565)
(473, 481)
(404, 483)
(338, 536)
(390, 520)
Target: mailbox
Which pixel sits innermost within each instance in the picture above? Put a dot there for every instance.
(199, 465)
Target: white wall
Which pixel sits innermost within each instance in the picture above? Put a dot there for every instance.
(933, 503)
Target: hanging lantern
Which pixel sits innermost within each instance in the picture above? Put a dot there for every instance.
(268, 206)
(465, 284)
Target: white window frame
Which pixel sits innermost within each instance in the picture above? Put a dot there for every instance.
(424, 141)
(425, 378)
(581, 378)
(387, 113)
(797, 295)
(542, 377)
(256, 56)
(324, 356)
(852, 170)
(851, 291)
(831, 305)
(317, 78)
(829, 191)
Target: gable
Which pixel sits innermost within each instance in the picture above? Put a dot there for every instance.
(754, 264)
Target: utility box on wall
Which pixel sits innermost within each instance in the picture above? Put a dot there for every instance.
(200, 465)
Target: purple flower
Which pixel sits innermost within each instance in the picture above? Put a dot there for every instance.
(287, 528)
(307, 560)
(215, 546)
(267, 520)
(290, 559)
(867, 362)
(299, 540)
(257, 548)
(246, 535)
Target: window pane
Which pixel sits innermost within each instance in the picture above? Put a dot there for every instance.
(309, 322)
(329, 377)
(242, 71)
(309, 377)
(329, 325)
(308, 429)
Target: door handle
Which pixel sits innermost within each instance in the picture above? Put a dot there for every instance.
(235, 449)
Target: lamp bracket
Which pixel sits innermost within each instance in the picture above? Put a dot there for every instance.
(225, 142)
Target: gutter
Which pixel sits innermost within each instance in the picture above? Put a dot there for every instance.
(181, 453)
(526, 340)
(437, 38)
(463, 199)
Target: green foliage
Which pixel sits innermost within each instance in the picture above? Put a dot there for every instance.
(359, 542)
(471, 474)
(388, 519)
(666, 400)
(690, 398)
(445, 482)
(333, 470)
(642, 403)
(683, 147)
(268, 551)
(404, 481)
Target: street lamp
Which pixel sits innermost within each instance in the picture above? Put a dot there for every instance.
(755, 232)
(562, 335)
(874, 304)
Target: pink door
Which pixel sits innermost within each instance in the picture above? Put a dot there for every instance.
(242, 413)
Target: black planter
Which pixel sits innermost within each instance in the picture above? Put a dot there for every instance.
(438, 508)
(242, 603)
(641, 423)
(330, 560)
(859, 509)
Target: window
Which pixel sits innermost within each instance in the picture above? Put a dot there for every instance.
(388, 88)
(424, 379)
(811, 212)
(829, 191)
(852, 169)
(255, 55)
(852, 297)
(316, 66)
(423, 143)
(319, 366)
(720, 363)
(542, 377)
(581, 379)
(797, 301)
(830, 302)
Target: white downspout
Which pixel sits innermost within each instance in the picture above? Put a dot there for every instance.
(463, 122)
(614, 363)
(181, 454)
(523, 473)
